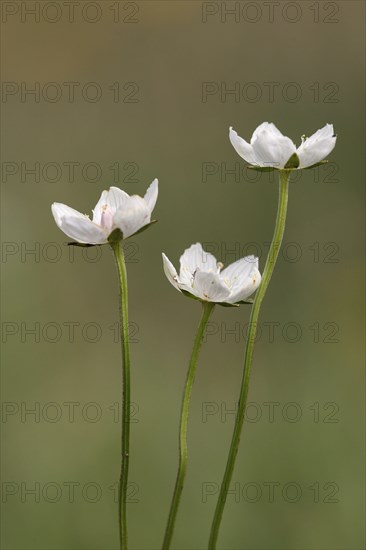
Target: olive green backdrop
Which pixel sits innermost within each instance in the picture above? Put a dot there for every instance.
(125, 92)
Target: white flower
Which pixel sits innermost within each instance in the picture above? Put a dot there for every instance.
(114, 210)
(200, 275)
(269, 148)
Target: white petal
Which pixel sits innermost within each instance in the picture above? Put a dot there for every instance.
(243, 148)
(151, 195)
(132, 216)
(78, 226)
(242, 277)
(172, 277)
(60, 210)
(114, 198)
(170, 272)
(317, 147)
(97, 212)
(237, 274)
(196, 258)
(272, 148)
(246, 288)
(269, 127)
(191, 290)
(84, 231)
(209, 287)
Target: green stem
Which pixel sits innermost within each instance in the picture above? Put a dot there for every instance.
(207, 310)
(267, 274)
(125, 437)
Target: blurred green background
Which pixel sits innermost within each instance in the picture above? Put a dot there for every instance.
(305, 435)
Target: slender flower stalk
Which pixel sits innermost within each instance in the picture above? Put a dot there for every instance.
(116, 216)
(207, 309)
(126, 405)
(201, 277)
(253, 323)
